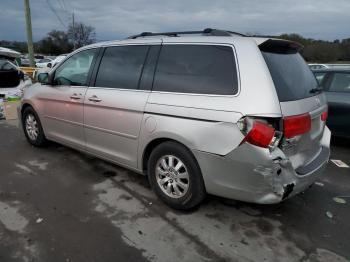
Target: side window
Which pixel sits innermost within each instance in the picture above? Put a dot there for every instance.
(201, 69)
(6, 66)
(340, 83)
(319, 76)
(149, 68)
(75, 70)
(121, 67)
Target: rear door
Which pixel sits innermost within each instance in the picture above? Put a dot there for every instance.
(114, 105)
(337, 89)
(297, 90)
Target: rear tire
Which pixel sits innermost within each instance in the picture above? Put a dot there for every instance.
(175, 176)
(32, 128)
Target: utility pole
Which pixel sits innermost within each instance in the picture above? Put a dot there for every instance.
(73, 31)
(29, 33)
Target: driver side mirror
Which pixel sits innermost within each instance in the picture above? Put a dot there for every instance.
(49, 65)
(44, 78)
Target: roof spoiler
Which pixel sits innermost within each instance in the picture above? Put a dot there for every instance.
(280, 46)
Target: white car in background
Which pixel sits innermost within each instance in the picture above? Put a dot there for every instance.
(318, 66)
(57, 60)
(42, 63)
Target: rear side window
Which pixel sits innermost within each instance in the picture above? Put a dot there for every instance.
(201, 69)
(340, 83)
(319, 77)
(121, 67)
(292, 77)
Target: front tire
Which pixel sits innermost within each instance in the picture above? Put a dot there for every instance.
(175, 176)
(32, 128)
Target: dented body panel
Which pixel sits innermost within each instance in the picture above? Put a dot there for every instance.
(254, 174)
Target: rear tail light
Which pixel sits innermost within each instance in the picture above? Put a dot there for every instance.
(259, 133)
(324, 116)
(296, 125)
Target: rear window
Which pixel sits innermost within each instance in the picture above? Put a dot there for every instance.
(340, 83)
(292, 77)
(200, 69)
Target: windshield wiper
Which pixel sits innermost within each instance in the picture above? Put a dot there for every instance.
(316, 90)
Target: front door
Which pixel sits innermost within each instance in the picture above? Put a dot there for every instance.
(63, 101)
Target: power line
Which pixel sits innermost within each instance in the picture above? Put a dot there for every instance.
(55, 12)
(64, 5)
(60, 2)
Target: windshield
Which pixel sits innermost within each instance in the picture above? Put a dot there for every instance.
(6, 66)
(292, 77)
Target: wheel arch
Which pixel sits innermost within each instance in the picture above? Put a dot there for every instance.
(24, 106)
(153, 144)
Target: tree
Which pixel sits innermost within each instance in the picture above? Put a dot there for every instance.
(345, 49)
(81, 34)
(55, 43)
(322, 51)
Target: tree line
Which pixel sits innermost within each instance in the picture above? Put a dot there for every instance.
(321, 51)
(60, 42)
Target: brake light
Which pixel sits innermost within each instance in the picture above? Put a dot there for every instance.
(261, 134)
(324, 116)
(296, 125)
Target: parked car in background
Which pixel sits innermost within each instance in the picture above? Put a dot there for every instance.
(10, 76)
(336, 85)
(57, 60)
(12, 79)
(42, 63)
(203, 112)
(329, 66)
(317, 66)
(25, 62)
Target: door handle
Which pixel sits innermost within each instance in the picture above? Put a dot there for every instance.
(94, 99)
(75, 97)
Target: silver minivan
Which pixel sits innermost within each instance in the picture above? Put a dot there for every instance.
(197, 112)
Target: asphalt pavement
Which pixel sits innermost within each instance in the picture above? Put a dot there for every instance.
(57, 204)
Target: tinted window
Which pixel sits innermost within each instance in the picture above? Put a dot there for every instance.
(202, 69)
(292, 77)
(340, 83)
(319, 77)
(75, 70)
(149, 68)
(121, 67)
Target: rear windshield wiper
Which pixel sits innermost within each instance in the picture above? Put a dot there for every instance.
(316, 90)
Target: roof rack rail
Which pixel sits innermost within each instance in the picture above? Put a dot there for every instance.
(207, 31)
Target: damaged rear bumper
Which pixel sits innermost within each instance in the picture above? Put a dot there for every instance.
(253, 174)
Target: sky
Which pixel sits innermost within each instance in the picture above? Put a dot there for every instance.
(115, 19)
